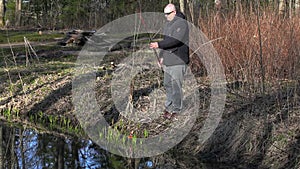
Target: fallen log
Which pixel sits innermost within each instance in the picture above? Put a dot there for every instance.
(76, 37)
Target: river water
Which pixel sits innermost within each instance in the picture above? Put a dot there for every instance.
(29, 149)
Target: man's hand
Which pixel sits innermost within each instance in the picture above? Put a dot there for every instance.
(153, 45)
(160, 63)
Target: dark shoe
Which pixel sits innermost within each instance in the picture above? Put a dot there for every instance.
(168, 115)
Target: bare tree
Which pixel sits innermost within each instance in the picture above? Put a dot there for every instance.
(261, 59)
(182, 7)
(238, 7)
(18, 12)
(1, 149)
(12, 149)
(297, 7)
(218, 6)
(290, 8)
(282, 7)
(60, 154)
(2, 13)
(191, 9)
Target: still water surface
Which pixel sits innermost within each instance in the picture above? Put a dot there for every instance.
(28, 149)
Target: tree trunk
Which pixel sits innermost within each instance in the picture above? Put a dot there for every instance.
(218, 16)
(275, 6)
(12, 149)
(238, 7)
(281, 7)
(22, 149)
(182, 7)
(297, 7)
(290, 8)
(75, 154)
(251, 7)
(1, 149)
(18, 12)
(60, 154)
(191, 9)
(2, 13)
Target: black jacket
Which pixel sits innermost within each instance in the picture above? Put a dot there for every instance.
(175, 50)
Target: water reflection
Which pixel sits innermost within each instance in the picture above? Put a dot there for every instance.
(26, 148)
(29, 149)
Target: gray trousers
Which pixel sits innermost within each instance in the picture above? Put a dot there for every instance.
(173, 80)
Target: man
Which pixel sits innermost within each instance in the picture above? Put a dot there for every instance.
(174, 57)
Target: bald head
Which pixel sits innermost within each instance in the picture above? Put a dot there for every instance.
(170, 12)
(169, 8)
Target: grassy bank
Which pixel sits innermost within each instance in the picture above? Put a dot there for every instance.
(13, 36)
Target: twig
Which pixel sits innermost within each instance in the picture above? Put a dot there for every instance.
(205, 44)
(31, 48)
(260, 49)
(9, 77)
(19, 75)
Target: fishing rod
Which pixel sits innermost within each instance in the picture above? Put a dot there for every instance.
(151, 39)
(154, 50)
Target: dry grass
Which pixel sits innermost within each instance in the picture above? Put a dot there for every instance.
(259, 127)
(239, 48)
